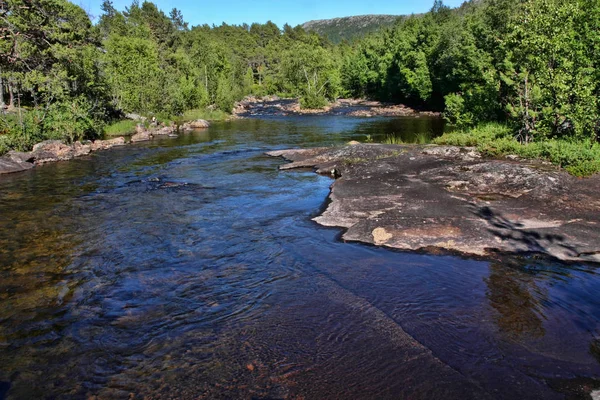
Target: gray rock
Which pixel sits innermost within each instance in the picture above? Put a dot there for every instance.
(164, 131)
(13, 163)
(52, 150)
(198, 124)
(20, 157)
(141, 137)
(427, 198)
(107, 144)
(80, 149)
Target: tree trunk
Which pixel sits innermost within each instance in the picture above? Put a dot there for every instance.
(1, 92)
(11, 94)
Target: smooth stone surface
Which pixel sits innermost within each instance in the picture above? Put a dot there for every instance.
(444, 197)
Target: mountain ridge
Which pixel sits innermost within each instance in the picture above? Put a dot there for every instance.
(350, 28)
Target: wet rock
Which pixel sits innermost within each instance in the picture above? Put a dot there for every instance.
(428, 197)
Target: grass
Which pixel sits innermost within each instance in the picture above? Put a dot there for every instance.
(122, 127)
(209, 115)
(580, 158)
(420, 138)
(126, 126)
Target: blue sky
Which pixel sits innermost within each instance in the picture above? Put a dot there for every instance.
(293, 12)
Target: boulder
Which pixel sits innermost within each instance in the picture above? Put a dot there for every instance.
(20, 157)
(107, 144)
(164, 130)
(141, 137)
(197, 124)
(80, 149)
(52, 150)
(14, 162)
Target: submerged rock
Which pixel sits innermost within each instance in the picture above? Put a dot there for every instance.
(427, 197)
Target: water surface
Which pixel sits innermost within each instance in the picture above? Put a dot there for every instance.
(190, 268)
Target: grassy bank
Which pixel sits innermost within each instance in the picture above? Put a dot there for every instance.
(127, 126)
(495, 140)
(118, 128)
(209, 115)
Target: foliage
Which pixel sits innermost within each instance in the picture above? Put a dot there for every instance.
(338, 30)
(74, 77)
(531, 65)
(122, 127)
(581, 158)
(209, 115)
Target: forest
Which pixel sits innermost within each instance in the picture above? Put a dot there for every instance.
(519, 76)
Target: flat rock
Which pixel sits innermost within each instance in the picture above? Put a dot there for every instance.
(444, 197)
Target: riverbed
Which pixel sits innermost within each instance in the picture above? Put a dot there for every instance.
(191, 268)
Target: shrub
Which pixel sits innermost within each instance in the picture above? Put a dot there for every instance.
(313, 100)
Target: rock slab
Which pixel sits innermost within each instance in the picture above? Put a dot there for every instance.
(443, 197)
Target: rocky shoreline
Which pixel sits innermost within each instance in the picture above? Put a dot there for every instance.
(432, 198)
(275, 106)
(55, 150)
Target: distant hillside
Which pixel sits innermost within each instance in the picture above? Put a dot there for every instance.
(349, 28)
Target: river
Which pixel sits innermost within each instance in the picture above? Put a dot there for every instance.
(190, 268)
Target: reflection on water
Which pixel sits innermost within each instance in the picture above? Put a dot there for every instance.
(190, 268)
(517, 299)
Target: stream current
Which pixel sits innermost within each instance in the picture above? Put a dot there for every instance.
(190, 268)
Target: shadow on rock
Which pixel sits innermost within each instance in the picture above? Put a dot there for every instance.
(517, 236)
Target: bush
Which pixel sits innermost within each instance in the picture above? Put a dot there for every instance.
(475, 136)
(313, 101)
(455, 112)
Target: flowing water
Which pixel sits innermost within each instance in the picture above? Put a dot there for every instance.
(190, 268)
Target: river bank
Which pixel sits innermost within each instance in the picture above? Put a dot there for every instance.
(449, 198)
(274, 106)
(55, 150)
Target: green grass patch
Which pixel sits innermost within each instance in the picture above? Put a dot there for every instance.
(209, 115)
(580, 158)
(420, 138)
(123, 127)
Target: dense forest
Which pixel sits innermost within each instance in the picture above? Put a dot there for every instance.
(533, 65)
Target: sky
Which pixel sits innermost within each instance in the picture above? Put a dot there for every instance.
(293, 12)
